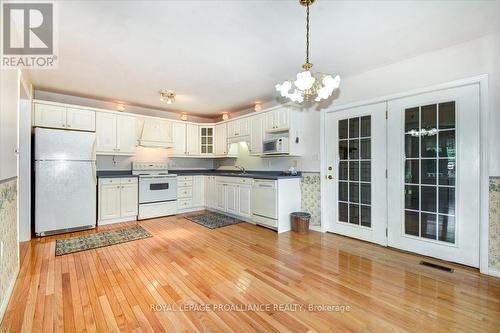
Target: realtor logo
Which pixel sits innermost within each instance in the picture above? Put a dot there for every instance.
(28, 35)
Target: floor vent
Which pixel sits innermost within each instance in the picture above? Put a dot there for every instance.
(436, 266)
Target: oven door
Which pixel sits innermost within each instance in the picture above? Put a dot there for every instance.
(157, 189)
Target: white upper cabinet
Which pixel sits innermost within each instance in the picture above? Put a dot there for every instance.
(193, 140)
(156, 133)
(256, 134)
(125, 134)
(278, 119)
(80, 119)
(55, 116)
(207, 140)
(115, 134)
(179, 138)
(238, 127)
(50, 116)
(221, 139)
(106, 132)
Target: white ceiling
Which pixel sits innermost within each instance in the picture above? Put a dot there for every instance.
(224, 55)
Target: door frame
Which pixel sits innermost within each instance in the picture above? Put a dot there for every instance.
(482, 80)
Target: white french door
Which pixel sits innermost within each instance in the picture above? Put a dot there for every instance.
(406, 173)
(434, 174)
(356, 186)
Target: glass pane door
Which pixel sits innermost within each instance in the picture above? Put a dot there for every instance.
(433, 156)
(356, 172)
(429, 175)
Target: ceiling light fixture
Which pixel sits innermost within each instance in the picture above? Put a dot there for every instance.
(167, 95)
(225, 116)
(184, 116)
(120, 107)
(257, 106)
(309, 87)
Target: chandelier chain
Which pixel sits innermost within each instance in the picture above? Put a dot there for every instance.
(307, 33)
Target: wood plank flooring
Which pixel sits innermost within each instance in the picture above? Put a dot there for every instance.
(128, 287)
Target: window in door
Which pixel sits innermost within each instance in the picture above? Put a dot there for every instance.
(430, 168)
(354, 181)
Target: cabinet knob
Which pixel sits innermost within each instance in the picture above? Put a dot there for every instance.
(69, 125)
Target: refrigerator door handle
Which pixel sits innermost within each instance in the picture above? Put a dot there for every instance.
(94, 171)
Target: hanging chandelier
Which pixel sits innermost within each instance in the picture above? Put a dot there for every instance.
(308, 86)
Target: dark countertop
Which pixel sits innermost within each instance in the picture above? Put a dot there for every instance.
(224, 173)
(114, 173)
(229, 173)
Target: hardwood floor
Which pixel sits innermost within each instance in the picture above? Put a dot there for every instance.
(122, 287)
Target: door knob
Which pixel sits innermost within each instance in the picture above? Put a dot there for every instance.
(330, 168)
(330, 177)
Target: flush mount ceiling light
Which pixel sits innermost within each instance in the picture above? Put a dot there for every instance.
(184, 116)
(257, 106)
(225, 116)
(308, 86)
(167, 95)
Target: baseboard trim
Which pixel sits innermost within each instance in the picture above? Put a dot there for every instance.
(315, 228)
(8, 295)
(117, 220)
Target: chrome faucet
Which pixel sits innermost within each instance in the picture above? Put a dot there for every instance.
(242, 169)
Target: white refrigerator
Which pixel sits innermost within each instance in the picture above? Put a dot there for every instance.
(65, 181)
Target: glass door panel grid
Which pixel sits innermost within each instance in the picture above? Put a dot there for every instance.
(429, 172)
(207, 140)
(354, 181)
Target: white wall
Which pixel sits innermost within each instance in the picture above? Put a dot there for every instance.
(9, 105)
(476, 57)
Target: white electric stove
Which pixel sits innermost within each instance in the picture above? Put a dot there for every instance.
(157, 189)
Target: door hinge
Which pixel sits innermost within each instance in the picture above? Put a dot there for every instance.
(386, 173)
(386, 232)
(386, 114)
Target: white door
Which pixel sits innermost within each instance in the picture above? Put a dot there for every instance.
(109, 201)
(221, 196)
(232, 199)
(193, 139)
(81, 120)
(245, 200)
(356, 166)
(128, 199)
(106, 132)
(434, 172)
(179, 136)
(125, 134)
(50, 116)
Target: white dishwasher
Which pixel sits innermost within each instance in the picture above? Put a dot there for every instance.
(265, 202)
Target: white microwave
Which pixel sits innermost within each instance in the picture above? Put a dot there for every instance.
(275, 146)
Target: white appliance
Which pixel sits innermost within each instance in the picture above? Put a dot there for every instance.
(277, 145)
(157, 189)
(65, 181)
(265, 202)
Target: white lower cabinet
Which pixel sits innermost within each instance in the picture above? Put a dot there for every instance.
(245, 200)
(210, 192)
(190, 193)
(118, 200)
(232, 199)
(233, 195)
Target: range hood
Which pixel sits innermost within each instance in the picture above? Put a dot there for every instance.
(156, 134)
(238, 139)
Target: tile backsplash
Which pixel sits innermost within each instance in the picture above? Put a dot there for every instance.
(9, 263)
(494, 216)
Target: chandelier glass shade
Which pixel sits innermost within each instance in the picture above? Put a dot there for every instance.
(308, 86)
